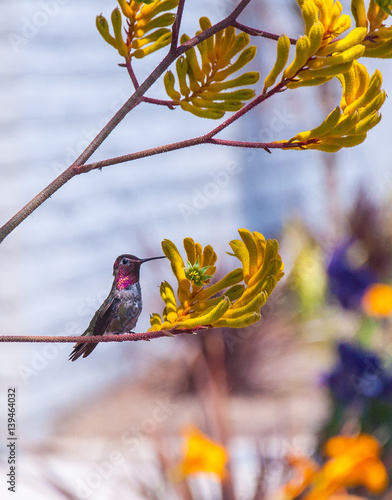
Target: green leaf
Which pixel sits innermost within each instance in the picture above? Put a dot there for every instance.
(385, 5)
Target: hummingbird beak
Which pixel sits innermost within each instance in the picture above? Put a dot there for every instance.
(152, 258)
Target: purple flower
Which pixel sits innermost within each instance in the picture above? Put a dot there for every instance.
(358, 375)
(348, 281)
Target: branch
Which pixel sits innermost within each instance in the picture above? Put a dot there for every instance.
(259, 99)
(260, 145)
(176, 25)
(195, 141)
(132, 102)
(159, 102)
(256, 32)
(131, 73)
(143, 154)
(96, 339)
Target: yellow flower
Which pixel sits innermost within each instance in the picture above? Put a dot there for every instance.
(147, 27)
(203, 81)
(227, 302)
(377, 300)
(202, 454)
(322, 54)
(348, 124)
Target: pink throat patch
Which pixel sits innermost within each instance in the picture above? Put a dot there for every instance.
(123, 281)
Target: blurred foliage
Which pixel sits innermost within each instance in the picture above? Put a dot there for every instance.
(360, 389)
(364, 255)
(308, 277)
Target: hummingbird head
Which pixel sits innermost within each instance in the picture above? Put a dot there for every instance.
(126, 270)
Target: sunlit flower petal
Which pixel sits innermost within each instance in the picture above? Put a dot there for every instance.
(202, 454)
(354, 462)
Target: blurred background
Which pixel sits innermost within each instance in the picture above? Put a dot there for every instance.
(108, 423)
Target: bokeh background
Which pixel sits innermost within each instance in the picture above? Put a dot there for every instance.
(59, 85)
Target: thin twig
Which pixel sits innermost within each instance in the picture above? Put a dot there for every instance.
(150, 100)
(131, 73)
(176, 25)
(259, 145)
(256, 32)
(159, 102)
(252, 104)
(96, 339)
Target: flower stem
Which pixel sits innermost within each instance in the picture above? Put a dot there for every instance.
(256, 32)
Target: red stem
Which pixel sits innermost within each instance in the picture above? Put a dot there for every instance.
(256, 32)
(176, 25)
(253, 145)
(160, 102)
(131, 73)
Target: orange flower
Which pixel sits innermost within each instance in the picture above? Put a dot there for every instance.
(201, 454)
(355, 462)
(305, 469)
(377, 300)
(345, 496)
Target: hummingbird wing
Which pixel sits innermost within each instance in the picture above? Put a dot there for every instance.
(98, 326)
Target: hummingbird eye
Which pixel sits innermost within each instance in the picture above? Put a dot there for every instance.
(125, 262)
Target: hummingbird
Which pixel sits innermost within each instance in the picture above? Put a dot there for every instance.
(121, 309)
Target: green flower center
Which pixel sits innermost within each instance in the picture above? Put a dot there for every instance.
(194, 275)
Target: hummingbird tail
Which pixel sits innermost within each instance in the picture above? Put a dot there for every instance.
(81, 349)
